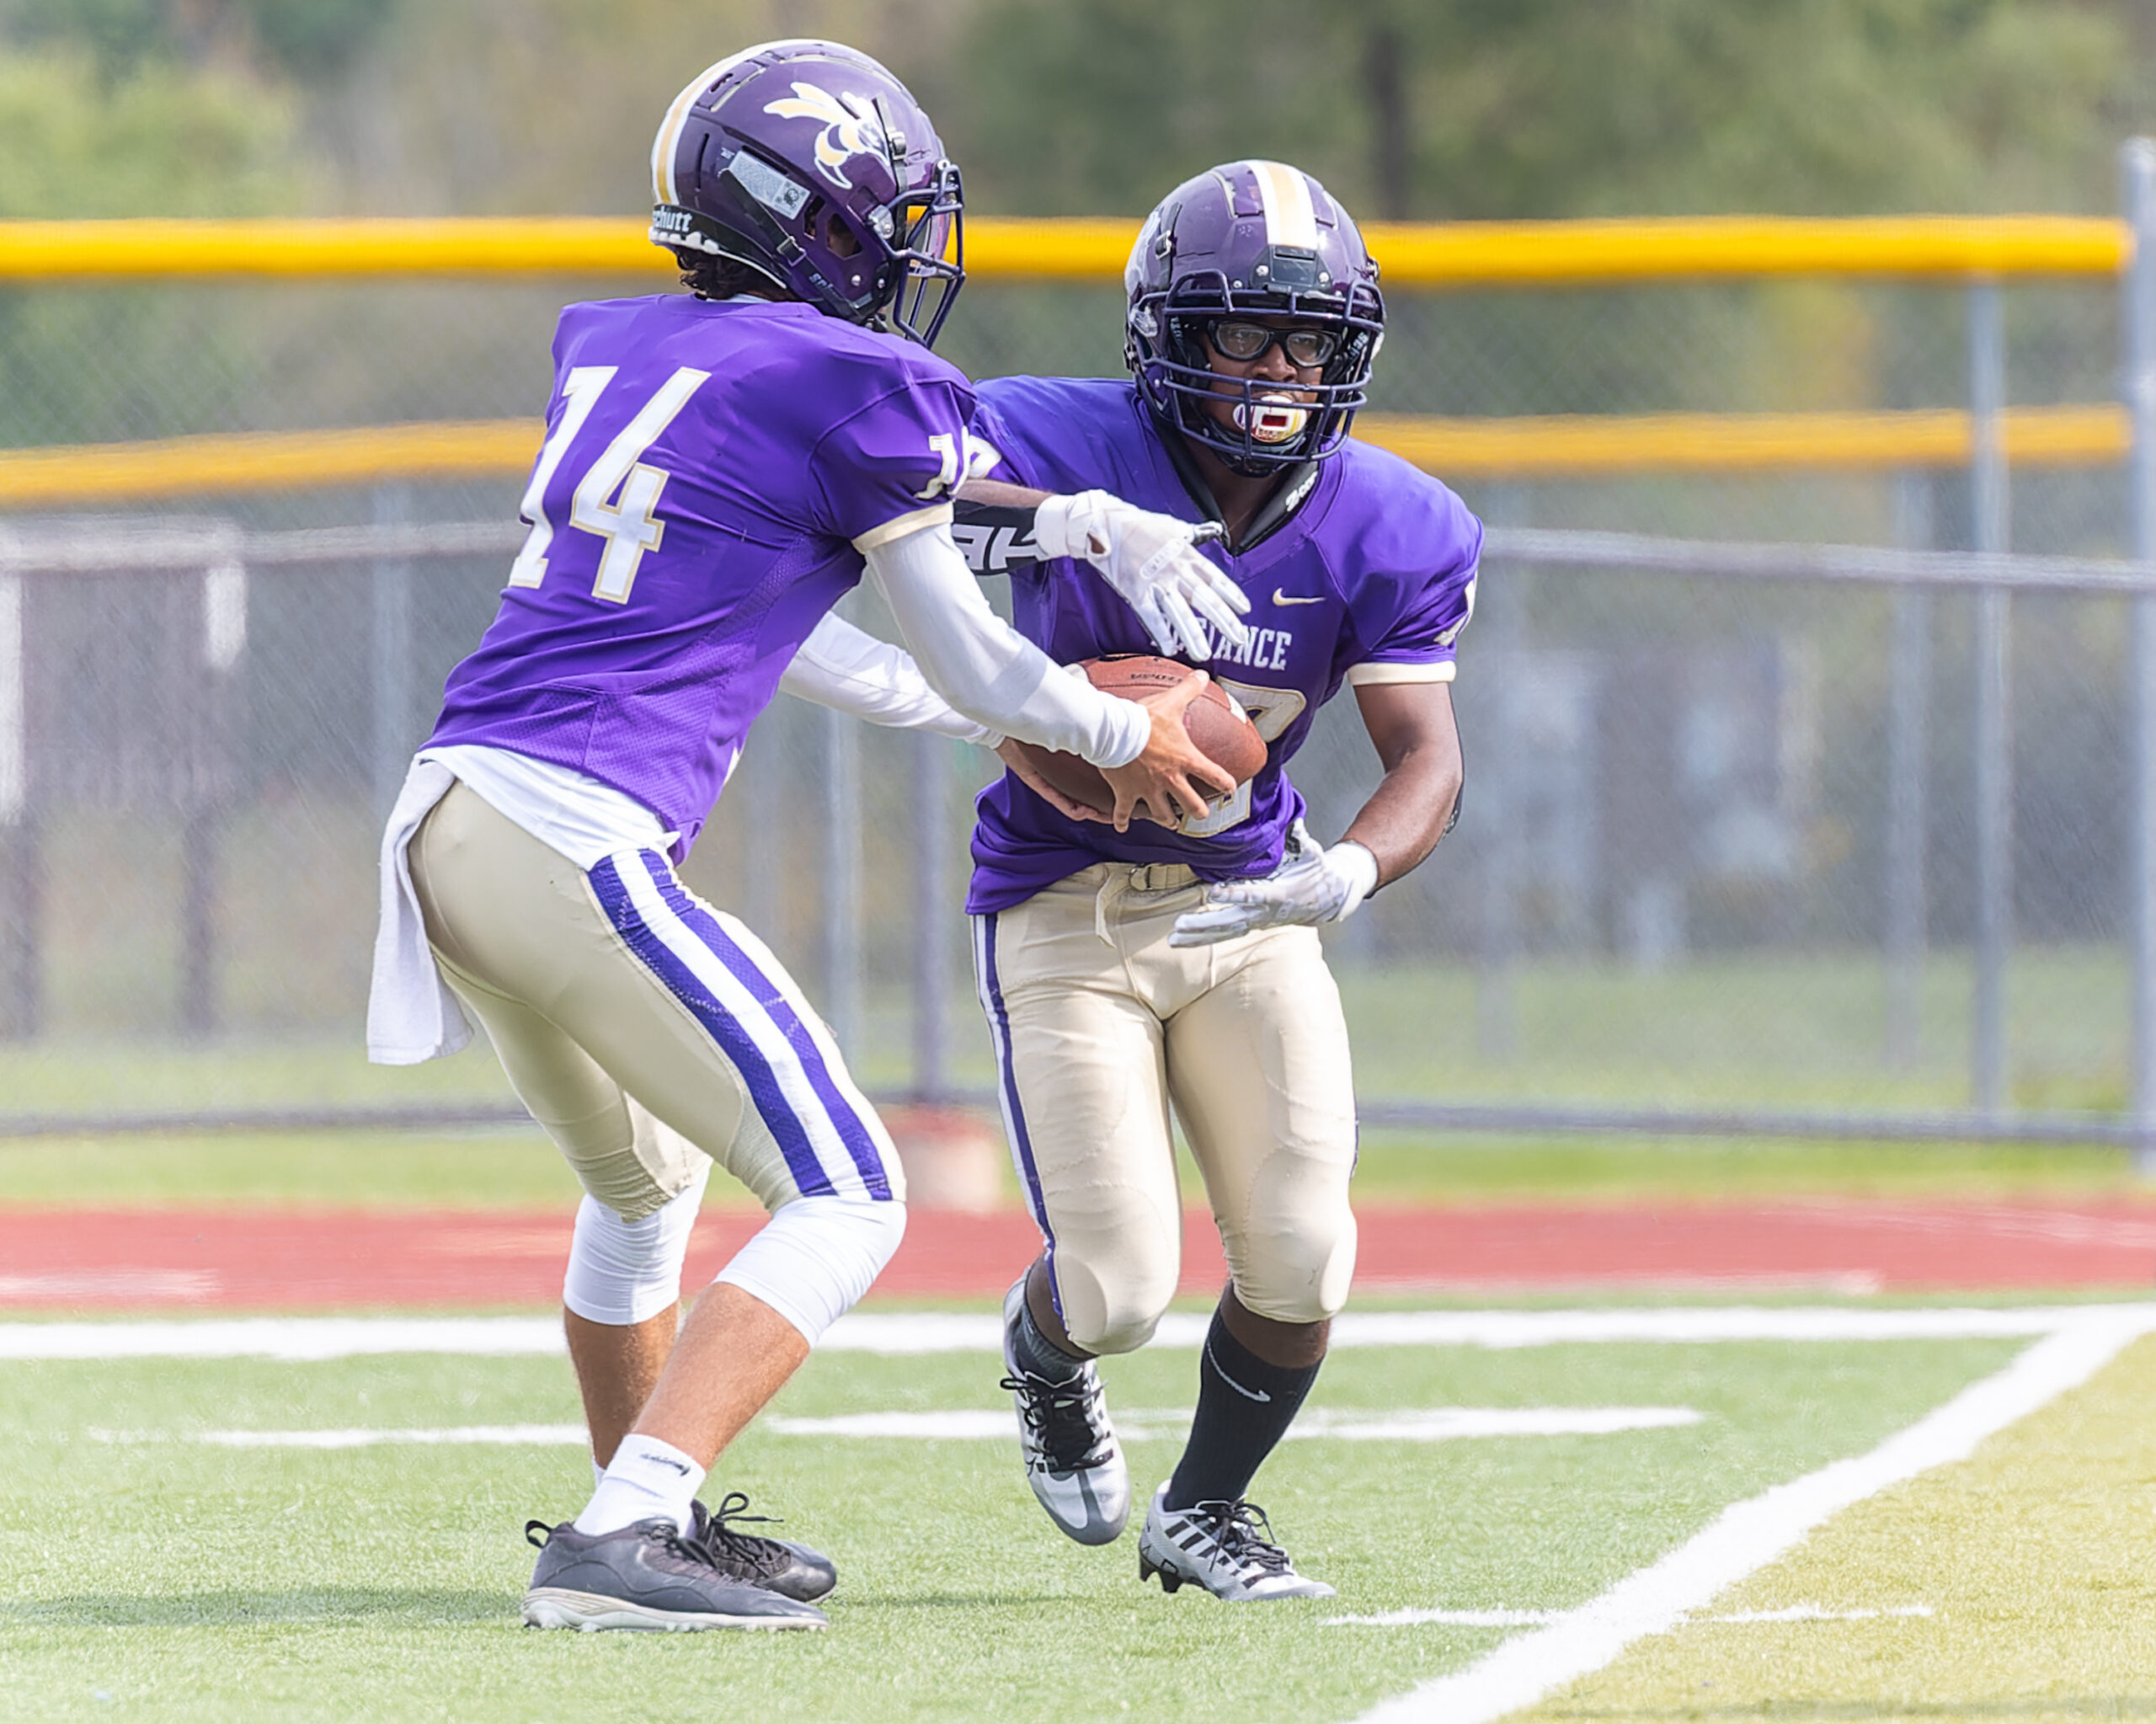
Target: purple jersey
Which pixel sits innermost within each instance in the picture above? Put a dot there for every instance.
(710, 474)
(1376, 566)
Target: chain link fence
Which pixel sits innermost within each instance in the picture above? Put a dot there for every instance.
(1722, 863)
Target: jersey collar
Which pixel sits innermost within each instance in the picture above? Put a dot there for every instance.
(1299, 485)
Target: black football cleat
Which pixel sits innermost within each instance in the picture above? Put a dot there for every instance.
(792, 1570)
(647, 1576)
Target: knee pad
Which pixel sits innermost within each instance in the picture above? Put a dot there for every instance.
(1109, 1316)
(1301, 1276)
(814, 1258)
(623, 1272)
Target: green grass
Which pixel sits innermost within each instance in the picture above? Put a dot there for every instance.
(1794, 1032)
(507, 1168)
(2034, 1555)
(171, 1580)
(1756, 1029)
(1760, 1029)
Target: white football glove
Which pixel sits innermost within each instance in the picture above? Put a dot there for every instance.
(1152, 560)
(1312, 885)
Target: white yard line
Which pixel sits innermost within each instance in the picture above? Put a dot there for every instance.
(1441, 1424)
(1813, 1613)
(365, 1436)
(906, 1332)
(1434, 1424)
(1748, 1535)
(1538, 1618)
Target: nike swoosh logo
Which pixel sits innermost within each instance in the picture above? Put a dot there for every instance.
(1281, 598)
(662, 1461)
(1214, 1359)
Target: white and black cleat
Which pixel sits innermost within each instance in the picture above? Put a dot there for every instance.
(647, 1576)
(1226, 1547)
(1073, 1460)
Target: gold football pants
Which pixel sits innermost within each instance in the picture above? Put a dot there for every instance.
(1099, 1024)
(642, 1027)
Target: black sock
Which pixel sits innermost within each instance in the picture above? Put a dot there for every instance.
(1038, 1355)
(1245, 1406)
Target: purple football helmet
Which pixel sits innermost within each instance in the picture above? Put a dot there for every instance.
(1252, 239)
(809, 163)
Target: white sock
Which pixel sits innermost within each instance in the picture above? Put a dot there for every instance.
(648, 1480)
(598, 1473)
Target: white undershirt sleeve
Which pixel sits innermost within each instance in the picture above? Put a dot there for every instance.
(986, 669)
(841, 667)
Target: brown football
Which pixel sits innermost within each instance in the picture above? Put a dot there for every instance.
(1216, 721)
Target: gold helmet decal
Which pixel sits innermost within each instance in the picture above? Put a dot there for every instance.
(851, 128)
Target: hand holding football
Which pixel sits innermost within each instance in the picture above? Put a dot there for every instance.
(1216, 724)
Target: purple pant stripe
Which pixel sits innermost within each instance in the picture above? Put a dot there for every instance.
(733, 1040)
(1022, 1142)
(853, 1131)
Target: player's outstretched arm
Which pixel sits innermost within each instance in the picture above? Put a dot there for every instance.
(850, 670)
(1151, 560)
(1412, 725)
(997, 678)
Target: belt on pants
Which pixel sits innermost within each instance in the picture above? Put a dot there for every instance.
(1150, 879)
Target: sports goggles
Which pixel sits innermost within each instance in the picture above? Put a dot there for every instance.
(1233, 339)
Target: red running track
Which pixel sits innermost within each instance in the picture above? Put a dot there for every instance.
(255, 1259)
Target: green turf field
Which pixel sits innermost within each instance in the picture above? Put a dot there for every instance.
(1762, 1029)
(148, 1574)
(2033, 1562)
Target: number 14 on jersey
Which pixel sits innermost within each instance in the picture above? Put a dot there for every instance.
(618, 498)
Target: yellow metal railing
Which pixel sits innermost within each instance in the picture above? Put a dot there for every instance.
(1509, 254)
(1429, 255)
(1577, 445)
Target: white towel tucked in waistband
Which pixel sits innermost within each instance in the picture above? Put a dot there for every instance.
(412, 1015)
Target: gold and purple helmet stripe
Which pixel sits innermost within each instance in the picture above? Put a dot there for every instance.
(669, 140)
(830, 1137)
(1284, 194)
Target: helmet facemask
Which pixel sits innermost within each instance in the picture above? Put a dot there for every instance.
(1261, 242)
(1174, 363)
(926, 249)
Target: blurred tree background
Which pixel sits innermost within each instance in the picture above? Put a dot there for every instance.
(1409, 108)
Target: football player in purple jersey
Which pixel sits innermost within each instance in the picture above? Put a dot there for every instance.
(1123, 970)
(719, 468)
